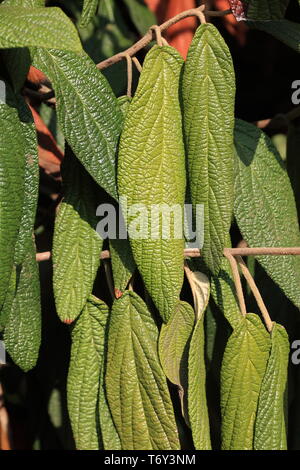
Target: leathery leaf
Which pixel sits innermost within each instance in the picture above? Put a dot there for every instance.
(264, 207)
(87, 110)
(76, 244)
(123, 265)
(266, 9)
(197, 404)
(271, 419)
(88, 12)
(31, 183)
(22, 334)
(21, 26)
(122, 260)
(174, 341)
(87, 353)
(137, 390)
(151, 174)
(12, 165)
(208, 106)
(243, 369)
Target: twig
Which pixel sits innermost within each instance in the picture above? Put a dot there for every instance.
(237, 282)
(255, 251)
(157, 31)
(195, 253)
(129, 75)
(137, 64)
(47, 96)
(144, 41)
(280, 120)
(256, 293)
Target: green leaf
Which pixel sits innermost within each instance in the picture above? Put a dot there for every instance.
(9, 297)
(49, 116)
(285, 31)
(17, 63)
(197, 405)
(123, 265)
(136, 386)
(22, 334)
(293, 160)
(87, 353)
(266, 9)
(271, 419)
(42, 27)
(173, 346)
(12, 162)
(141, 16)
(31, 183)
(224, 294)
(124, 102)
(89, 116)
(243, 369)
(174, 343)
(76, 244)
(88, 11)
(109, 435)
(265, 207)
(25, 3)
(122, 261)
(151, 171)
(208, 104)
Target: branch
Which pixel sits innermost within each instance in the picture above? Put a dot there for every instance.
(195, 252)
(145, 40)
(280, 120)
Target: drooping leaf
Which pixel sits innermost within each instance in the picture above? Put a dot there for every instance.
(122, 261)
(43, 27)
(49, 118)
(271, 419)
(140, 15)
(208, 105)
(9, 298)
(88, 11)
(109, 436)
(22, 334)
(87, 111)
(17, 63)
(265, 208)
(87, 353)
(124, 102)
(31, 183)
(285, 31)
(76, 245)
(107, 34)
(197, 404)
(12, 163)
(151, 173)
(174, 342)
(136, 386)
(266, 9)
(243, 369)
(123, 265)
